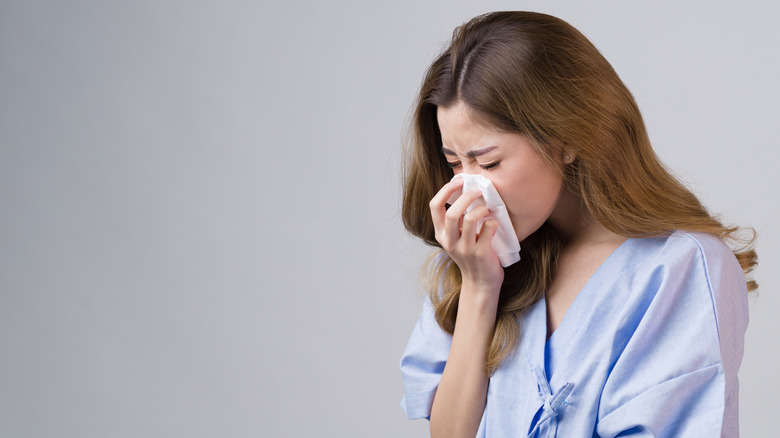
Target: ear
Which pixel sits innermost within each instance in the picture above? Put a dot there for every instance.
(567, 156)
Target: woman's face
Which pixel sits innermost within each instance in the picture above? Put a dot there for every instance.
(529, 186)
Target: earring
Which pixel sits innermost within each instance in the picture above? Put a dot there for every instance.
(566, 157)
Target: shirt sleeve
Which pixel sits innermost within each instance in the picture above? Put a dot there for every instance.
(679, 347)
(423, 363)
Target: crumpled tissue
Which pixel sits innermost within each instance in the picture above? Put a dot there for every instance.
(505, 243)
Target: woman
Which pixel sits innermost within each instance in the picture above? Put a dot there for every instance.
(627, 312)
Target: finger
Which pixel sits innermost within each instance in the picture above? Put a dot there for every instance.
(452, 218)
(458, 208)
(471, 222)
(439, 201)
(489, 229)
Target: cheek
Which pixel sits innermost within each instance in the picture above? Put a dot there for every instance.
(544, 185)
(532, 195)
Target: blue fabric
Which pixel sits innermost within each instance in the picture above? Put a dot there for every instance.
(650, 347)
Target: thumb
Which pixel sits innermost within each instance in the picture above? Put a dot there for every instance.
(489, 229)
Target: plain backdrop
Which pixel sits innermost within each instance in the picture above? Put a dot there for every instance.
(199, 201)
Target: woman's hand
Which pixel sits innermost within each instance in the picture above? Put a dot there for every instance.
(456, 231)
(462, 392)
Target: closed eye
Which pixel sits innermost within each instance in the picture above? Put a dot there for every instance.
(490, 166)
(453, 165)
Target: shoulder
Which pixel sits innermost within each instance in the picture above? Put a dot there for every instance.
(680, 289)
(706, 246)
(687, 266)
(692, 281)
(682, 313)
(681, 243)
(688, 255)
(717, 270)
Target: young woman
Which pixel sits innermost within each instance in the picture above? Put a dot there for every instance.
(625, 315)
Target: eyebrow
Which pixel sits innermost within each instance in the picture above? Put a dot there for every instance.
(470, 154)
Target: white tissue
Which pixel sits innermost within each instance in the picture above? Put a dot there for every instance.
(505, 243)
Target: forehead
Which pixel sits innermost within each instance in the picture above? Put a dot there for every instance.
(458, 115)
(460, 128)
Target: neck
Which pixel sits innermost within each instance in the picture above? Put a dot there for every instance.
(575, 223)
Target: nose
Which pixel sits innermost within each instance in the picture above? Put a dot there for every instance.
(471, 169)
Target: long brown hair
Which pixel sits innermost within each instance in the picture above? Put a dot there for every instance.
(536, 75)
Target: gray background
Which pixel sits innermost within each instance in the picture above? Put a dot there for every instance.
(199, 201)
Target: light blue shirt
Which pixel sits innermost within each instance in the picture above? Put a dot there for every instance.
(650, 347)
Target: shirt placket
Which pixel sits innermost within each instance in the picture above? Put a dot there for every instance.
(551, 403)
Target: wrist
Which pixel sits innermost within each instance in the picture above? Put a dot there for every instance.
(480, 292)
(490, 286)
